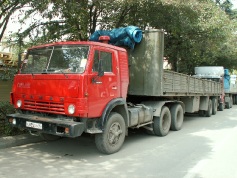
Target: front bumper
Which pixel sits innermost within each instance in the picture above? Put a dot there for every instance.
(49, 125)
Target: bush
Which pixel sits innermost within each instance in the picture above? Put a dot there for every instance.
(5, 128)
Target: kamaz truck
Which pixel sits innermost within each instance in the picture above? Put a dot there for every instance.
(64, 89)
(229, 85)
(230, 89)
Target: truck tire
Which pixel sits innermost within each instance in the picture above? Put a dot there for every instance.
(233, 98)
(177, 117)
(209, 109)
(161, 125)
(227, 105)
(221, 106)
(202, 113)
(214, 106)
(111, 140)
(49, 137)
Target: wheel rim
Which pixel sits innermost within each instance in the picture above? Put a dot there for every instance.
(115, 132)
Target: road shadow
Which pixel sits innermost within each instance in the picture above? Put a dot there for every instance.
(140, 156)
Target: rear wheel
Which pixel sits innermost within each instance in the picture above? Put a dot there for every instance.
(214, 106)
(161, 125)
(221, 106)
(209, 109)
(49, 137)
(202, 113)
(177, 116)
(111, 140)
(233, 99)
(227, 105)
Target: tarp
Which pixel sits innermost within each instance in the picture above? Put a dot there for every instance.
(125, 36)
(226, 80)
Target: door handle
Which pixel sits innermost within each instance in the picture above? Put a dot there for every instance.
(114, 88)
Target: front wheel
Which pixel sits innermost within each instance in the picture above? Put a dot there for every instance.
(111, 140)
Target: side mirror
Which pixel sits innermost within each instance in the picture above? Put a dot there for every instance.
(100, 68)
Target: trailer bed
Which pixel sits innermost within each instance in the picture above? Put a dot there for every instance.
(177, 84)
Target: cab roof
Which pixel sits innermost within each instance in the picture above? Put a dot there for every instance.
(89, 43)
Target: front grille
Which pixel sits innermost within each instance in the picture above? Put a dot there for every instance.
(49, 107)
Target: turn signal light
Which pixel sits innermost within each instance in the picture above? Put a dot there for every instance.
(12, 121)
(66, 131)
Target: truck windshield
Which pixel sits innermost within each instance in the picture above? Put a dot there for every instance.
(57, 59)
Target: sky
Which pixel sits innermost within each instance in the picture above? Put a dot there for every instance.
(234, 2)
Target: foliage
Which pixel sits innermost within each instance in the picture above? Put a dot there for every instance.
(7, 73)
(198, 32)
(7, 9)
(6, 129)
(226, 6)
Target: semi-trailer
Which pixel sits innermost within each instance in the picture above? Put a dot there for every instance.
(64, 89)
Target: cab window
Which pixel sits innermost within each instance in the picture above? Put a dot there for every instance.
(106, 58)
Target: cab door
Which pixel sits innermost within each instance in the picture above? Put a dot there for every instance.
(102, 89)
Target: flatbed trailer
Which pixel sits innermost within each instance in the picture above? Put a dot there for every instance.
(110, 90)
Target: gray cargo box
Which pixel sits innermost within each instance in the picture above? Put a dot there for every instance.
(147, 77)
(146, 65)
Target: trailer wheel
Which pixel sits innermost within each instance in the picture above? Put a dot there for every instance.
(49, 137)
(233, 99)
(214, 106)
(227, 105)
(209, 109)
(161, 125)
(221, 106)
(177, 116)
(111, 140)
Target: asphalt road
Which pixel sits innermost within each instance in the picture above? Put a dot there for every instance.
(204, 148)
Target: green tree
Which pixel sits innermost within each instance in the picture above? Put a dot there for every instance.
(227, 6)
(198, 32)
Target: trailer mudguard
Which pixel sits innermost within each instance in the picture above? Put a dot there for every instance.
(117, 105)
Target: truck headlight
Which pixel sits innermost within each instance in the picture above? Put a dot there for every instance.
(71, 109)
(18, 103)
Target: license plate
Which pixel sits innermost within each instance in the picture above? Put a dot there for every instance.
(34, 125)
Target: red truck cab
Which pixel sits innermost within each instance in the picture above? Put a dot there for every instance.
(67, 88)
